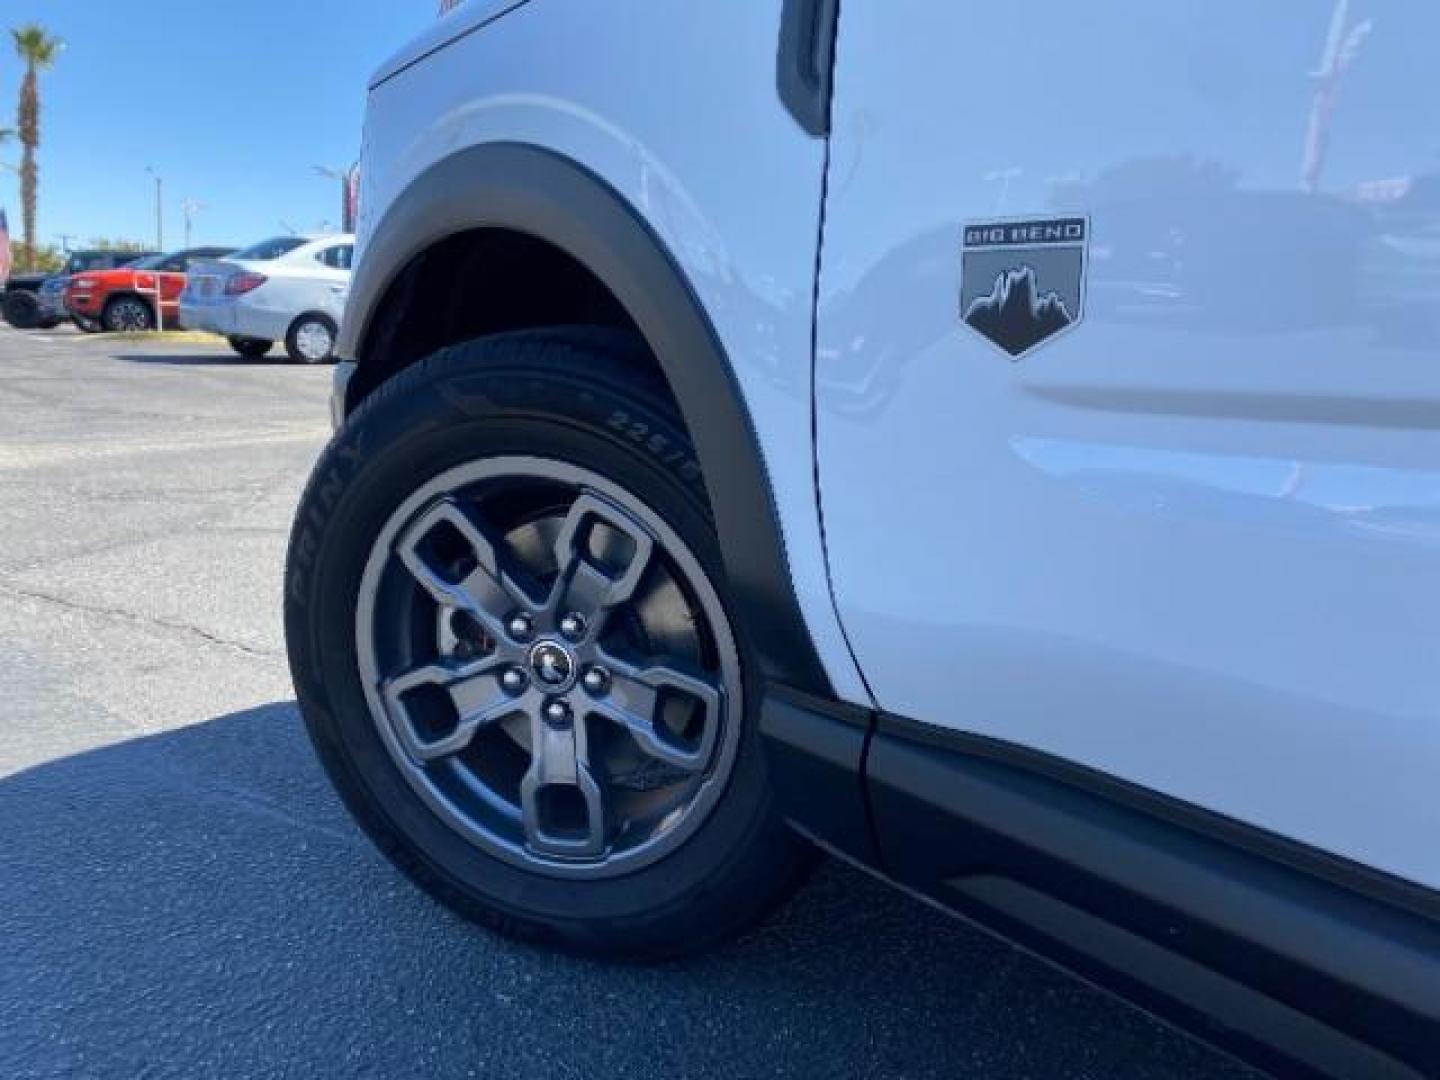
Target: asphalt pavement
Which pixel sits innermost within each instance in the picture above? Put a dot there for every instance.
(181, 895)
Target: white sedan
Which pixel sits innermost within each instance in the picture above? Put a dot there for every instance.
(289, 289)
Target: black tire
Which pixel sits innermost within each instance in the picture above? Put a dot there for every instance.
(128, 314)
(569, 395)
(21, 309)
(250, 348)
(295, 339)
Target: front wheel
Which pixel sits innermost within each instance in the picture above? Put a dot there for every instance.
(128, 315)
(250, 348)
(511, 644)
(311, 339)
(21, 309)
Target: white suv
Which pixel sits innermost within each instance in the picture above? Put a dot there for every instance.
(998, 444)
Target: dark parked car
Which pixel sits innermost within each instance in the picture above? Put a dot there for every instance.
(36, 301)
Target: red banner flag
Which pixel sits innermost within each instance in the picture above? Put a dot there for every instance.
(6, 257)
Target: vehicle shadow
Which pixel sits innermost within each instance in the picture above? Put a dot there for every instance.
(198, 903)
(212, 359)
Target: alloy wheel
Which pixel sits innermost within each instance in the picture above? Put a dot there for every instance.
(128, 316)
(549, 666)
(315, 341)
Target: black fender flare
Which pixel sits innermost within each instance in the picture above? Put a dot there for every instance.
(542, 194)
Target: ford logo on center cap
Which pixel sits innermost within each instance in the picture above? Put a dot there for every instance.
(552, 665)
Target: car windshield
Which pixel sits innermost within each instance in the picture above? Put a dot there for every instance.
(269, 249)
(80, 263)
(150, 262)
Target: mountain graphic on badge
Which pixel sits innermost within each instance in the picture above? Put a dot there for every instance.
(1022, 282)
(1015, 316)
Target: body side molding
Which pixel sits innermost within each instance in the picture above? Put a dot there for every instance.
(1294, 960)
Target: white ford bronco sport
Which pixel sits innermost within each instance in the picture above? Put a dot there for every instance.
(998, 444)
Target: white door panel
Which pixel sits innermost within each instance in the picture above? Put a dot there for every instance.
(1194, 541)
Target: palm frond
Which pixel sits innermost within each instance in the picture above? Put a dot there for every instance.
(36, 46)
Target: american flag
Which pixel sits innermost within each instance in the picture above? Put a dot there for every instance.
(5, 255)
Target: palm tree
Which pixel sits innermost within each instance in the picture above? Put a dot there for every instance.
(39, 51)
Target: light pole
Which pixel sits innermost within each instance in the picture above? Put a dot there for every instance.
(1342, 44)
(347, 179)
(159, 208)
(190, 207)
(1005, 177)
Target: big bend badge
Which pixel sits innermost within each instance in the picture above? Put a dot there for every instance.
(1023, 282)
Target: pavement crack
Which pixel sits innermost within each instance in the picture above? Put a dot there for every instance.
(137, 618)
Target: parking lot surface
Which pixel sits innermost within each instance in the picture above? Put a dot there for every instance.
(182, 895)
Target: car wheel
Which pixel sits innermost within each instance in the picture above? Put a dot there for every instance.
(21, 310)
(311, 339)
(250, 348)
(128, 315)
(511, 643)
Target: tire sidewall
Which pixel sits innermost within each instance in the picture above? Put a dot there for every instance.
(374, 465)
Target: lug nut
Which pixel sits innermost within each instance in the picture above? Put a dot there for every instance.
(513, 680)
(573, 626)
(597, 680)
(521, 627)
(557, 714)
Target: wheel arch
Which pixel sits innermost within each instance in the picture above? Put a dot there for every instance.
(619, 273)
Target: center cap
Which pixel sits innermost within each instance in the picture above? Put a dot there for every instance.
(552, 666)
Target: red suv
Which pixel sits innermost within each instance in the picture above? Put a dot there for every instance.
(124, 300)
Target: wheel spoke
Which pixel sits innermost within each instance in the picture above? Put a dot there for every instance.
(634, 699)
(550, 667)
(485, 591)
(561, 804)
(584, 587)
(474, 692)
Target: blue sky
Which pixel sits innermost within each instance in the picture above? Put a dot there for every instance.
(232, 102)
